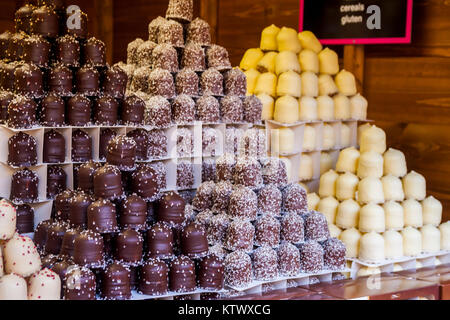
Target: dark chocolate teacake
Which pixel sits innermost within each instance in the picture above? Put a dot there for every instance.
(88, 81)
(53, 111)
(193, 241)
(122, 153)
(57, 5)
(81, 146)
(88, 250)
(116, 282)
(101, 216)
(16, 45)
(61, 207)
(182, 275)
(80, 284)
(154, 277)
(56, 181)
(79, 111)
(94, 52)
(25, 219)
(106, 111)
(5, 38)
(133, 213)
(22, 113)
(85, 176)
(108, 182)
(129, 247)
(45, 22)
(140, 136)
(133, 109)
(41, 234)
(210, 273)
(106, 135)
(23, 18)
(115, 82)
(170, 208)
(24, 186)
(144, 182)
(61, 80)
(78, 208)
(68, 243)
(22, 150)
(160, 241)
(5, 99)
(54, 147)
(55, 237)
(68, 51)
(36, 50)
(8, 77)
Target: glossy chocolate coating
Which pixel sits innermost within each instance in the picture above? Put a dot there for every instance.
(88, 81)
(160, 241)
(140, 136)
(61, 205)
(116, 284)
(193, 241)
(210, 273)
(68, 242)
(81, 146)
(5, 99)
(79, 111)
(45, 22)
(101, 216)
(133, 213)
(106, 111)
(54, 147)
(182, 275)
(170, 208)
(129, 246)
(85, 176)
(133, 110)
(22, 150)
(80, 284)
(106, 135)
(24, 186)
(53, 111)
(23, 18)
(61, 80)
(88, 249)
(78, 208)
(22, 113)
(56, 181)
(36, 50)
(55, 237)
(145, 183)
(16, 45)
(122, 153)
(108, 182)
(5, 38)
(41, 234)
(115, 82)
(25, 219)
(68, 51)
(154, 277)
(94, 52)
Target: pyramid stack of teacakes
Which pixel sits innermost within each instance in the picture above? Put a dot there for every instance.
(378, 209)
(300, 82)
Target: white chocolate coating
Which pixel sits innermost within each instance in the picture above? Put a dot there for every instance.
(309, 41)
(393, 244)
(13, 288)
(309, 61)
(251, 58)
(373, 139)
(346, 186)
(282, 140)
(326, 162)
(325, 108)
(269, 38)
(431, 239)
(266, 83)
(351, 238)
(412, 213)
(370, 165)
(341, 107)
(393, 188)
(327, 186)
(370, 190)
(395, 163)
(286, 110)
(394, 215)
(327, 87)
(368, 271)
(268, 106)
(348, 214)
(348, 160)
(415, 186)
(328, 207)
(412, 242)
(287, 40)
(361, 130)
(346, 83)
(309, 138)
(289, 84)
(328, 62)
(21, 256)
(334, 231)
(329, 137)
(310, 84)
(445, 235)
(372, 247)
(308, 109)
(313, 201)
(346, 136)
(432, 211)
(267, 63)
(358, 107)
(8, 220)
(252, 77)
(44, 285)
(371, 218)
(286, 61)
(306, 171)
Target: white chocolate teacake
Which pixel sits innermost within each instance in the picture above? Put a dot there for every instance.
(412, 242)
(326, 162)
(309, 138)
(289, 84)
(371, 218)
(327, 187)
(346, 136)
(287, 40)
(282, 140)
(431, 239)
(13, 288)
(308, 109)
(252, 76)
(351, 239)
(313, 201)
(415, 186)
(395, 163)
(394, 215)
(327, 87)
(328, 207)
(393, 244)
(445, 235)
(286, 61)
(341, 107)
(329, 137)
(267, 63)
(310, 84)
(269, 38)
(328, 62)
(361, 130)
(346, 186)
(348, 214)
(432, 211)
(309, 41)
(393, 188)
(346, 83)
(325, 108)
(335, 231)
(268, 106)
(372, 247)
(348, 160)
(370, 165)
(44, 285)
(251, 58)
(266, 83)
(309, 61)
(8, 220)
(306, 171)
(412, 213)
(21, 256)
(358, 107)
(370, 190)
(286, 110)
(373, 139)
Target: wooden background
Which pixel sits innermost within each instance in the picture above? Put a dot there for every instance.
(408, 86)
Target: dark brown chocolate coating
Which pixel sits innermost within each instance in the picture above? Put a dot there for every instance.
(68, 51)
(23, 18)
(94, 52)
(61, 80)
(45, 22)
(61, 205)
(116, 284)
(41, 234)
(160, 241)
(79, 284)
(49, 261)
(22, 150)
(170, 208)
(22, 113)
(55, 237)
(81, 146)
(5, 37)
(36, 50)
(5, 99)
(79, 111)
(210, 274)
(108, 182)
(25, 219)
(78, 207)
(56, 181)
(140, 136)
(24, 186)
(145, 183)
(133, 110)
(88, 81)
(57, 5)
(115, 82)
(53, 111)
(68, 242)
(133, 213)
(122, 153)
(182, 275)
(129, 246)
(54, 147)
(88, 249)
(85, 176)
(16, 45)
(154, 277)
(193, 241)
(106, 135)
(106, 111)
(8, 75)
(101, 216)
